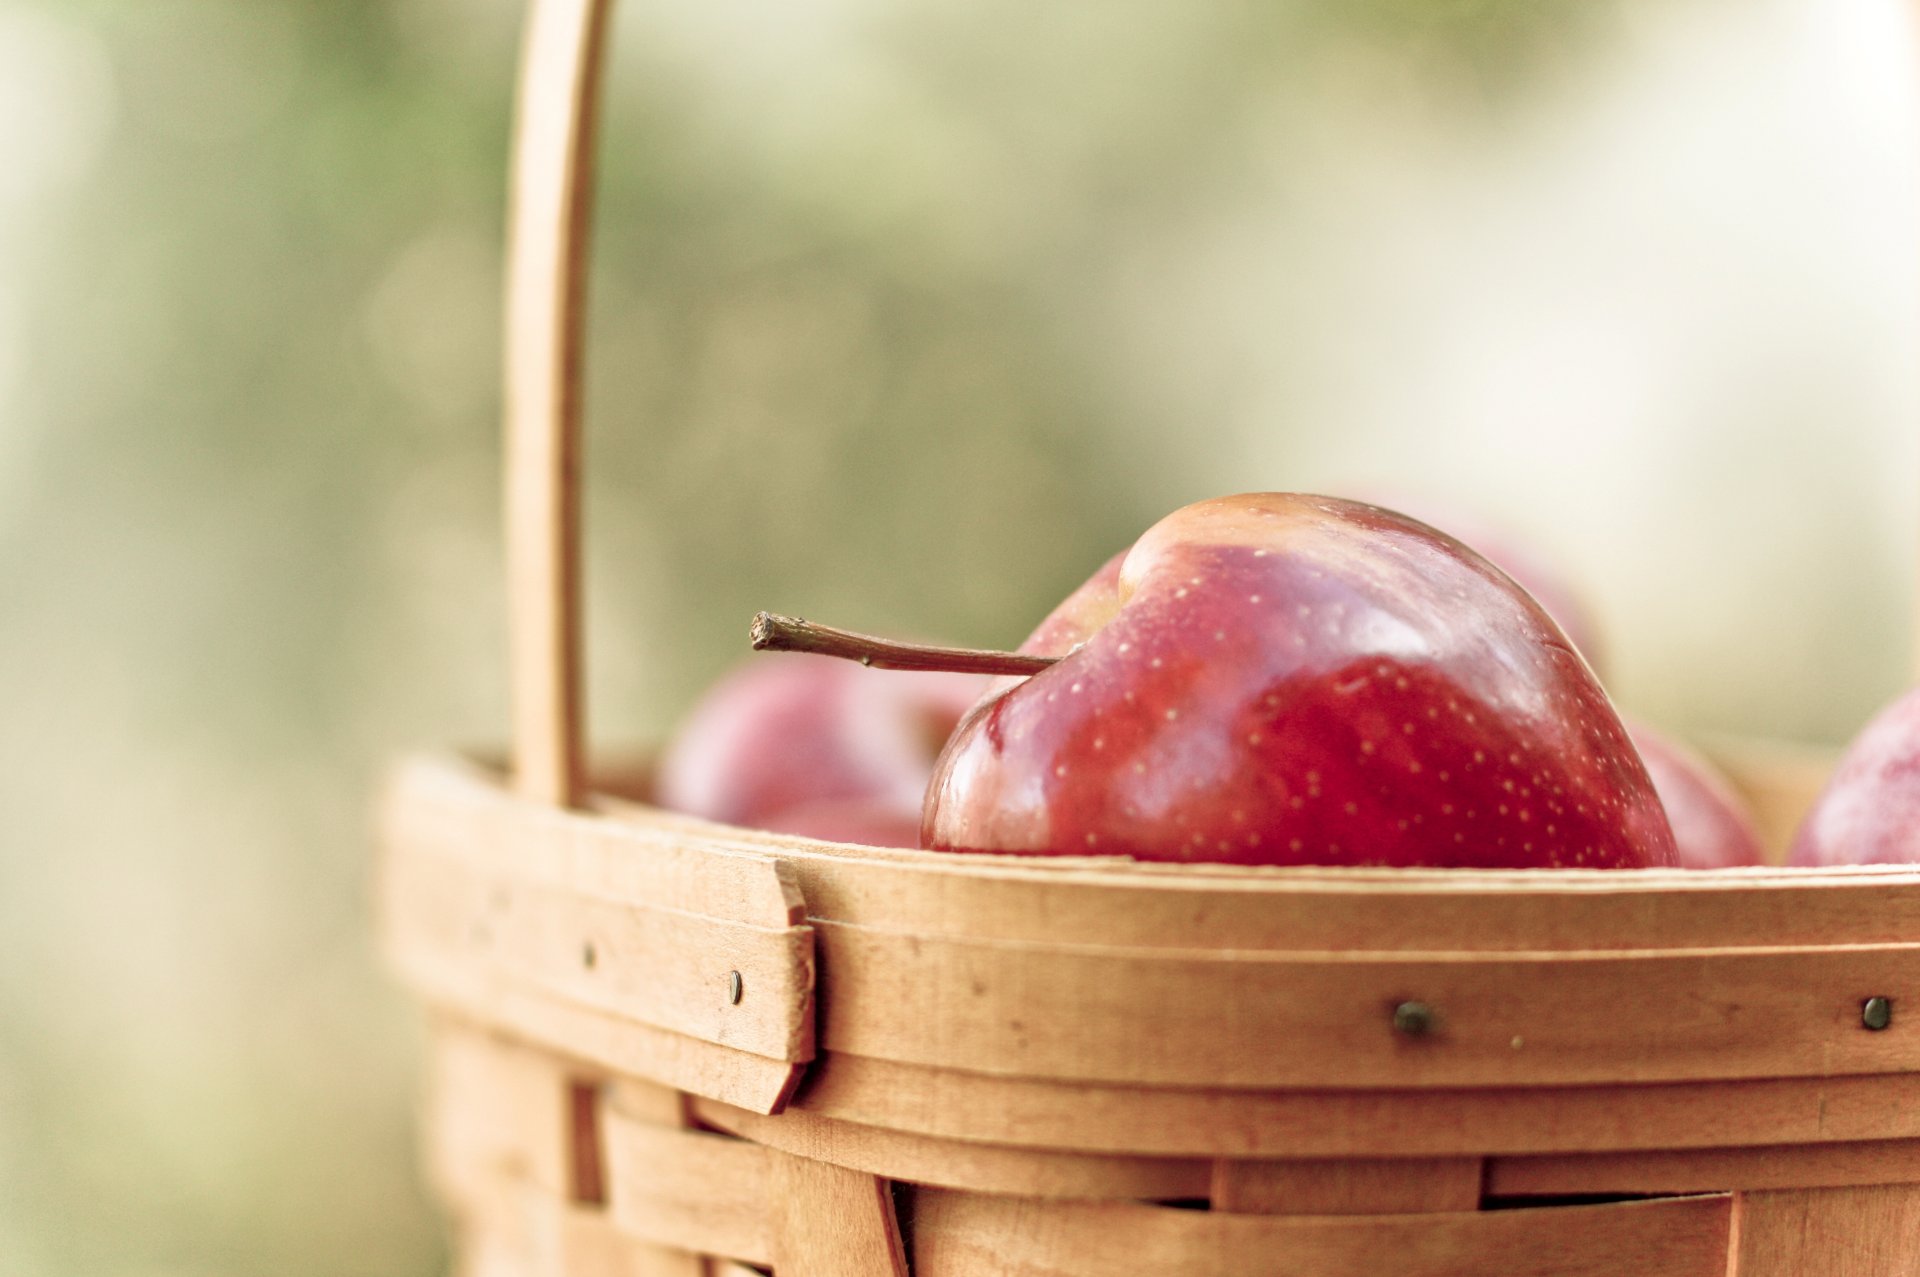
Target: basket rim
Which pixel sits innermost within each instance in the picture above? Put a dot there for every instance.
(485, 766)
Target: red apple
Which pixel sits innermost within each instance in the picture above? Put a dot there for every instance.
(1285, 679)
(1869, 812)
(821, 748)
(1532, 570)
(1712, 826)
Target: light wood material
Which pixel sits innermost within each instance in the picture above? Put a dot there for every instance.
(1709, 1170)
(610, 949)
(1081, 901)
(546, 283)
(688, 1190)
(829, 1221)
(1828, 1232)
(953, 1164)
(973, 1235)
(511, 1228)
(1254, 1007)
(448, 806)
(613, 1044)
(1358, 1186)
(495, 1109)
(657, 1106)
(503, 1132)
(450, 920)
(1320, 1123)
(1312, 1020)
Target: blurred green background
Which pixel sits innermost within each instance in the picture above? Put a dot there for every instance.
(905, 315)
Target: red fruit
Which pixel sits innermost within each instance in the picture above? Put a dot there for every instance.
(1533, 572)
(816, 747)
(1284, 679)
(1712, 826)
(1869, 812)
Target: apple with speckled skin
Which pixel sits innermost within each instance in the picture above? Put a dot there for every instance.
(820, 748)
(1534, 571)
(1869, 812)
(1280, 679)
(1712, 825)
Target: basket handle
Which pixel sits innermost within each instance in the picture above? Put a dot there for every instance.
(550, 206)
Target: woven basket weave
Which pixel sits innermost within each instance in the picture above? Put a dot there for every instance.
(662, 1046)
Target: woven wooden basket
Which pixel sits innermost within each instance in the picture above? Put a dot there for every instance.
(662, 1046)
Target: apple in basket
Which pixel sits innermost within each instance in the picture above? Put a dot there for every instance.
(1534, 571)
(1281, 679)
(1869, 812)
(1712, 825)
(819, 748)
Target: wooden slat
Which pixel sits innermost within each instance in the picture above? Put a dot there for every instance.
(975, 1235)
(954, 1164)
(511, 1228)
(616, 1045)
(494, 1109)
(1330, 1123)
(1831, 1232)
(551, 197)
(1709, 1170)
(493, 906)
(688, 1190)
(1079, 900)
(1043, 1012)
(593, 1247)
(661, 967)
(1358, 1186)
(829, 1221)
(450, 806)
(658, 1106)
(1253, 1019)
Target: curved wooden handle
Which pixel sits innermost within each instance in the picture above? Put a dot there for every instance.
(550, 211)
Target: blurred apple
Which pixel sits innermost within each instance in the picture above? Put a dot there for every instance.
(821, 748)
(1869, 813)
(1712, 826)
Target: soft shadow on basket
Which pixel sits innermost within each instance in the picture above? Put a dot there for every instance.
(665, 1046)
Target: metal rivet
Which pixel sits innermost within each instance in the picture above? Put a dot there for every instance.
(1414, 1019)
(1876, 1013)
(734, 987)
(587, 955)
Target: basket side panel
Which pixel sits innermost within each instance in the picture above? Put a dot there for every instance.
(972, 1235)
(986, 1168)
(1361, 1186)
(686, 965)
(1834, 1232)
(1163, 1122)
(829, 1221)
(1778, 1166)
(1253, 1019)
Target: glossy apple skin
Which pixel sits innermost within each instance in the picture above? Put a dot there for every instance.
(1530, 569)
(808, 745)
(1284, 679)
(1712, 826)
(1869, 812)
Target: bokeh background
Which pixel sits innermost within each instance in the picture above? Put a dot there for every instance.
(905, 315)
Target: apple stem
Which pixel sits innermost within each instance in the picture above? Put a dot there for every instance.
(774, 633)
